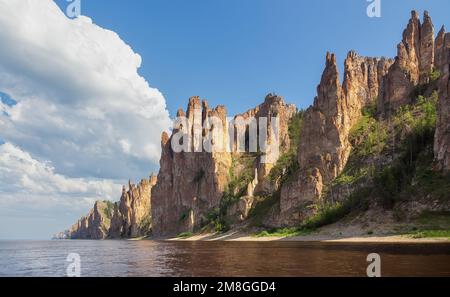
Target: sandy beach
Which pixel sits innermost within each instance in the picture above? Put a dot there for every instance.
(245, 237)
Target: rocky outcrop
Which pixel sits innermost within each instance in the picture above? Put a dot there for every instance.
(190, 183)
(132, 214)
(412, 66)
(273, 109)
(93, 226)
(128, 218)
(442, 137)
(193, 181)
(324, 145)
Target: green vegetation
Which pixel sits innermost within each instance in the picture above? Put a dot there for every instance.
(262, 206)
(240, 175)
(109, 210)
(284, 232)
(432, 234)
(432, 225)
(185, 235)
(369, 136)
(329, 213)
(420, 89)
(354, 174)
(415, 149)
(408, 136)
(287, 164)
(434, 75)
(326, 214)
(283, 170)
(433, 220)
(146, 223)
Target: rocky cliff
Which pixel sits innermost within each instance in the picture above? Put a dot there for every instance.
(442, 137)
(132, 214)
(367, 142)
(370, 84)
(324, 145)
(196, 188)
(413, 64)
(95, 225)
(128, 218)
(274, 108)
(190, 182)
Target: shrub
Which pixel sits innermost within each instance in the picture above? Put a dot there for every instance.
(287, 164)
(434, 75)
(185, 235)
(330, 213)
(368, 136)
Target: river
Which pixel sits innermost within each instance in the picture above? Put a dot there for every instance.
(155, 258)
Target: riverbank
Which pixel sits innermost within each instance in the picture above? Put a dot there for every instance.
(245, 237)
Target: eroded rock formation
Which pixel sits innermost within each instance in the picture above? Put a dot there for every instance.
(442, 137)
(192, 183)
(132, 214)
(189, 183)
(95, 225)
(324, 146)
(412, 66)
(273, 108)
(128, 218)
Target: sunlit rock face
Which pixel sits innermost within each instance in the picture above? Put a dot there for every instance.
(132, 214)
(95, 225)
(442, 137)
(190, 183)
(274, 108)
(324, 145)
(412, 66)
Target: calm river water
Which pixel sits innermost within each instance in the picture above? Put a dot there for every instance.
(153, 258)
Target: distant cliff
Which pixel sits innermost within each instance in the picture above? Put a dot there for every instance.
(95, 225)
(128, 218)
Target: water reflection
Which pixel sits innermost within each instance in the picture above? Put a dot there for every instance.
(151, 258)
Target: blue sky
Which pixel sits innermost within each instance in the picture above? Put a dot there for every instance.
(233, 52)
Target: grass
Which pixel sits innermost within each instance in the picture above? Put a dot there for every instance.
(432, 225)
(431, 234)
(284, 232)
(330, 213)
(185, 235)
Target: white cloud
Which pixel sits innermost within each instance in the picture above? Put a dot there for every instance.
(80, 100)
(83, 119)
(27, 181)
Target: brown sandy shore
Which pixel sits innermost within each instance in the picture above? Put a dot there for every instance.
(245, 237)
